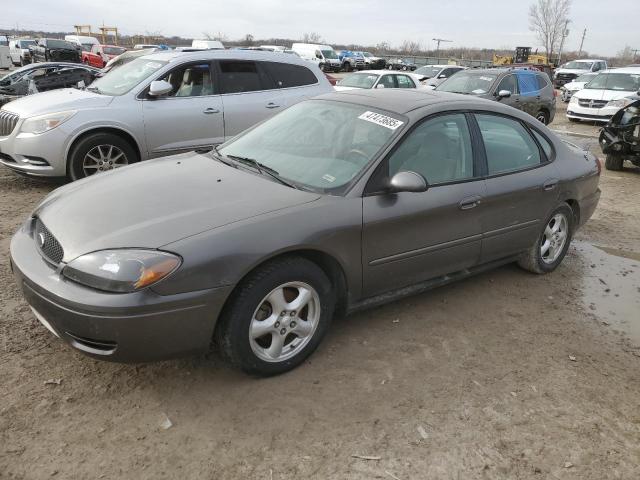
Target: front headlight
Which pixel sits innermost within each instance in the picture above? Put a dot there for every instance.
(44, 123)
(121, 271)
(620, 103)
(574, 99)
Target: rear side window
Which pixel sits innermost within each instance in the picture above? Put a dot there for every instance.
(527, 83)
(286, 75)
(508, 145)
(544, 143)
(405, 82)
(237, 76)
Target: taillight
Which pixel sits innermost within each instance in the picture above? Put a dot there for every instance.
(555, 92)
(598, 164)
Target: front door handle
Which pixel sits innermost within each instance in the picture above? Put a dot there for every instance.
(550, 184)
(210, 110)
(272, 105)
(470, 202)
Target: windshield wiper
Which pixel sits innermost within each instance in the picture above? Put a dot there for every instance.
(263, 169)
(218, 156)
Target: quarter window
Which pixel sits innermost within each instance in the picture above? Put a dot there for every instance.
(439, 149)
(508, 145)
(192, 80)
(287, 75)
(546, 146)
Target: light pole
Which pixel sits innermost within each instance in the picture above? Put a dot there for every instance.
(438, 47)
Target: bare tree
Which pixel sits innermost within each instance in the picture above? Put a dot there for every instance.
(312, 37)
(410, 47)
(248, 39)
(625, 55)
(548, 19)
(220, 36)
(382, 47)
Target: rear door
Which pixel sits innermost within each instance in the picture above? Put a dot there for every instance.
(522, 185)
(248, 95)
(529, 92)
(404, 81)
(189, 116)
(412, 237)
(294, 83)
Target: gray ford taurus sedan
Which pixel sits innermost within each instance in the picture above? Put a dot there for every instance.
(335, 204)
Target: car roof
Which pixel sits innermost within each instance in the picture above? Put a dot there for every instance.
(171, 56)
(404, 100)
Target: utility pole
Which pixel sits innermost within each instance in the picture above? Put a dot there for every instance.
(565, 34)
(438, 47)
(635, 52)
(584, 33)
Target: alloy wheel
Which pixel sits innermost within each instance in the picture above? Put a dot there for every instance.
(554, 238)
(102, 158)
(284, 322)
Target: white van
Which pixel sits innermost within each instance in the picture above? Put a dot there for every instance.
(207, 44)
(86, 43)
(322, 55)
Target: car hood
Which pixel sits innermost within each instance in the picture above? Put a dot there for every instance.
(57, 101)
(574, 85)
(340, 88)
(598, 94)
(157, 202)
(577, 71)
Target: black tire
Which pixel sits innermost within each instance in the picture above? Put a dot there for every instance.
(543, 117)
(232, 331)
(532, 260)
(346, 67)
(75, 169)
(614, 162)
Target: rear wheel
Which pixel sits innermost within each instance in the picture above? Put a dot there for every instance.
(614, 162)
(552, 244)
(542, 117)
(99, 152)
(276, 317)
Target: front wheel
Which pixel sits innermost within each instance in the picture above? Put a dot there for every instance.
(614, 162)
(99, 152)
(276, 317)
(552, 244)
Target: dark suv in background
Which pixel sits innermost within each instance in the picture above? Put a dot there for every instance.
(525, 89)
(54, 50)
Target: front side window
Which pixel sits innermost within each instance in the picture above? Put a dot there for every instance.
(320, 145)
(508, 145)
(405, 82)
(121, 80)
(387, 81)
(239, 76)
(439, 149)
(192, 80)
(508, 83)
(286, 75)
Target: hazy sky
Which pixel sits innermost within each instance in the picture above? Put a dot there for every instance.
(490, 23)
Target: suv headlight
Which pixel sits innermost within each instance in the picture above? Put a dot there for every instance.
(121, 271)
(574, 99)
(620, 103)
(44, 123)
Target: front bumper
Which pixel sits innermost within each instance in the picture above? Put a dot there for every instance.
(37, 155)
(603, 114)
(133, 327)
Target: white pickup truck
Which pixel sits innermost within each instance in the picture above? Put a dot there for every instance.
(569, 71)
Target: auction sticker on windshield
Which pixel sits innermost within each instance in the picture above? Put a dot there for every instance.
(382, 120)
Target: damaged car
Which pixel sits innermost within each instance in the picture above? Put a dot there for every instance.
(52, 49)
(620, 138)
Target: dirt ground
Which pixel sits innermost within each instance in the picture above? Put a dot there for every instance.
(506, 375)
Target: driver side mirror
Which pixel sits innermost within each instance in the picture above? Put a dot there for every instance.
(504, 94)
(158, 88)
(442, 75)
(380, 85)
(407, 181)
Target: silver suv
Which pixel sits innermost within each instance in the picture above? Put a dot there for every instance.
(155, 105)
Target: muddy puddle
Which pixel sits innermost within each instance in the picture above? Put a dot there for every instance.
(611, 287)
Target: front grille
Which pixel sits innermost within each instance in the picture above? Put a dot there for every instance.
(586, 103)
(47, 243)
(8, 122)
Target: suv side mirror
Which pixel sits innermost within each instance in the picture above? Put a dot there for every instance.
(504, 94)
(442, 75)
(407, 181)
(158, 88)
(380, 85)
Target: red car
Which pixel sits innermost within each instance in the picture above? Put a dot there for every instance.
(99, 55)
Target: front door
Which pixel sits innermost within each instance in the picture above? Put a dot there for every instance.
(190, 116)
(522, 185)
(412, 237)
(510, 84)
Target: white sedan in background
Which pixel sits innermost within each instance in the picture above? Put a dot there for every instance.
(568, 89)
(379, 79)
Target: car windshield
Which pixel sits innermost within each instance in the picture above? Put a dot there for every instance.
(60, 44)
(467, 82)
(578, 65)
(624, 82)
(26, 43)
(119, 81)
(359, 80)
(367, 54)
(320, 145)
(587, 77)
(428, 71)
(329, 54)
(114, 50)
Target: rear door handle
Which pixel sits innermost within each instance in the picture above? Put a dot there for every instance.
(550, 184)
(272, 105)
(470, 202)
(210, 110)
